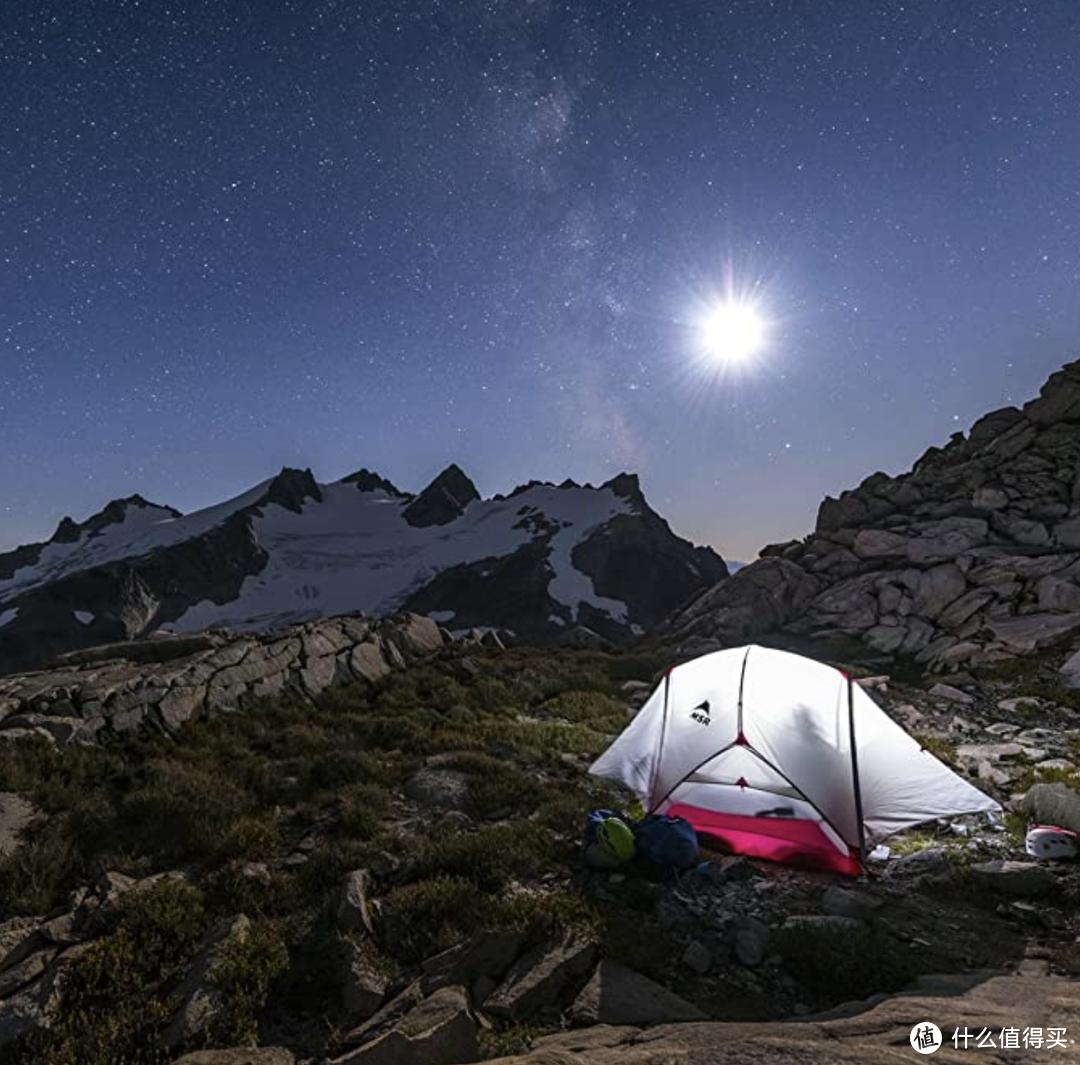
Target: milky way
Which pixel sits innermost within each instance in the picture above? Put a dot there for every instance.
(241, 235)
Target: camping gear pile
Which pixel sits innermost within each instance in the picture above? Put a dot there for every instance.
(612, 838)
(777, 756)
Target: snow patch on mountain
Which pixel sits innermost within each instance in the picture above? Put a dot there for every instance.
(356, 551)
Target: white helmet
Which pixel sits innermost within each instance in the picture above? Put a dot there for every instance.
(1048, 842)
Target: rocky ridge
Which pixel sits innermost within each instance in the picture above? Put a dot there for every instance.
(161, 683)
(971, 558)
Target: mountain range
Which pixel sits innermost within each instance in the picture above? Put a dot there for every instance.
(544, 561)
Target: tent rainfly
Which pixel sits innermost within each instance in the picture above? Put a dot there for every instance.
(781, 757)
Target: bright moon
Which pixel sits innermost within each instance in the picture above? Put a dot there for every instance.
(732, 332)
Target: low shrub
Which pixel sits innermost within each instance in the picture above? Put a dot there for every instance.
(363, 810)
(242, 975)
(940, 748)
(429, 916)
(490, 857)
(506, 1042)
(1030, 775)
(833, 965)
(115, 995)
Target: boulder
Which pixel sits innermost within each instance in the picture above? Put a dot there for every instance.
(367, 661)
(697, 957)
(1058, 595)
(750, 942)
(963, 609)
(842, 902)
(13, 934)
(353, 909)
(439, 1030)
(988, 752)
(1016, 879)
(197, 1003)
(1062, 764)
(617, 995)
(364, 983)
(947, 539)
(541, 980)
(478, 964)
(26, 971)
(415, 636)
(1021, 530)
(1070, 671)
(1067, 534)
(990, 499)
(33, 1006)
(938, 588)
(879, 543)
(1053, 804)
(947, 693)
(1029, 633)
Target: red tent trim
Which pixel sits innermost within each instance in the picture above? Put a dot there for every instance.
(793, 841)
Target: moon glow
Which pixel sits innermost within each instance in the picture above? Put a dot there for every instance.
(731, 333)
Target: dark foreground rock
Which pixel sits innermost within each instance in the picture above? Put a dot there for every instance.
(1028, 999)
(439, 1030)
(617, 995)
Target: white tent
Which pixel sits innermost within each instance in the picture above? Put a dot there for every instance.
(781, 757)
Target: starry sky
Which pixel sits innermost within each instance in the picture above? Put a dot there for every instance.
(237, 235)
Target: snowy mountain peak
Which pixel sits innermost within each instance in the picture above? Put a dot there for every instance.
(113, 513)
(367, 480)
(292, 488)
(444, 500)
(628, 487)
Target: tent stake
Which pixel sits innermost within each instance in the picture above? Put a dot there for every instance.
(855, 770)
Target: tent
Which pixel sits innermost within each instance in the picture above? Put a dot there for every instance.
(781, 757)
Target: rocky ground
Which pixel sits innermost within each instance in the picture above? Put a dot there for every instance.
(389, 871)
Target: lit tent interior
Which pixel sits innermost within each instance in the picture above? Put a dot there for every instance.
(780, 757)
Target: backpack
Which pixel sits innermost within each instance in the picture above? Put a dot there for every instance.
(595, 819)
(670, 842)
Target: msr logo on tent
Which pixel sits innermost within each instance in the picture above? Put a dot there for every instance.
(700, 713)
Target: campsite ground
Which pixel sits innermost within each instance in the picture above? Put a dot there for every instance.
(459, 785)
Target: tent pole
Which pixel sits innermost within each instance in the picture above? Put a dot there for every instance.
(660, 753)
(855, 770)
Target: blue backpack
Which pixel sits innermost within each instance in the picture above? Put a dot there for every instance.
(668, 841)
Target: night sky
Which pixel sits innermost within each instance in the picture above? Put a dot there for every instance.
(240, 235)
